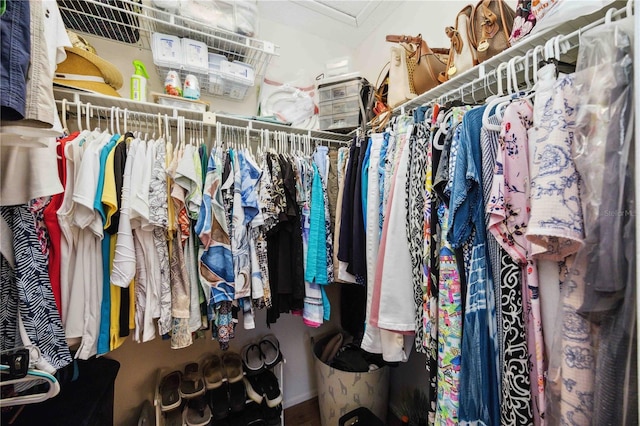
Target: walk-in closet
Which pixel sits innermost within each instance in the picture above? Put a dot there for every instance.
(306, 212)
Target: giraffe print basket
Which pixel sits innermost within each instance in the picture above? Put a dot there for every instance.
(340, 392)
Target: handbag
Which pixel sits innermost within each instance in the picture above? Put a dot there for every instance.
(399, 90)
(462, 53)
(491, 26)
(378, 111)
(424, 64)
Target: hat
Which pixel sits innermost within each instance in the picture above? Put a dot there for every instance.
(85, 70)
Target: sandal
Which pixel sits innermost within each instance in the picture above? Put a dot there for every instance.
(169, 390)
(232, 364)
(192, 384)
(196, 412)
(252, 359)
(270, 348)
(213, 372)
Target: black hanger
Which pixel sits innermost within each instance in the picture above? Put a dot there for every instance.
(561, 66)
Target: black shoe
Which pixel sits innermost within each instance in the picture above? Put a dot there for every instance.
(253, 415)
(254, 388)
(219, 401)
(237, 396)
(270, 388)
(272, 414)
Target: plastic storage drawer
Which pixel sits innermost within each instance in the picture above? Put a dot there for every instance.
(344, 106)
(339, 90)
(340, 121)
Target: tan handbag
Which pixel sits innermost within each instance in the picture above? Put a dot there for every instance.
(400, 89)
(462, 53)
(424, 64)
(491, 26)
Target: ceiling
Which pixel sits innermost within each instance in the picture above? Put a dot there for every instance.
(346, 22)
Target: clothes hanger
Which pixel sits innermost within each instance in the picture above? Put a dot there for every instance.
(492, 103)
(89, 114)
(512, 88)
(33, 376)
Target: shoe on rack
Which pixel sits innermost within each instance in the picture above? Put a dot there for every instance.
(270, 388)
(252, 359)
(254, 388)
(196, 412)
(192, 384)
(253, 415)
(237, 396)
(232, 365)
(270, 349)
(212, 371)
(169, 390)
(147, 414)
(218, 399)
(272, 415)
(173, 418)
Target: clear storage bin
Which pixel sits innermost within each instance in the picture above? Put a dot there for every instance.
(195, 56)
(340, 121)
(167, 50)
(345, 106)
(230, 79)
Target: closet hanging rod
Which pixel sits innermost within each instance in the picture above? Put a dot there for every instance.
(126, 114)
(89, 110)
(208, 118)
(567, 42)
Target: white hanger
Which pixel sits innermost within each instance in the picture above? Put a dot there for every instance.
(63, 116)
(32, 376)
(512, 87)
(125, 113)
(118, 120)
(79, 115)
(112, 118)
(491, 103)
(88, 115)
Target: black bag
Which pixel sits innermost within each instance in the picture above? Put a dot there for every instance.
(112, 19)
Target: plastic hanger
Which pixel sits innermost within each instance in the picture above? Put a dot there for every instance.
(79, 115)
(89, 114)
(492, 103)
(36, 377)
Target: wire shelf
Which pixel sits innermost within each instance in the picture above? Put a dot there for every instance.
(137, 108)
(480, 81)
(132, 22)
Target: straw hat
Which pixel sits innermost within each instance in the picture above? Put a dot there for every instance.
(85, 70)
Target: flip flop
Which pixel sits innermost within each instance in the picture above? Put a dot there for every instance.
(196, 412)
(192, 384)
(169, 390)
(270, 348)
(232, 363)
(213, 372)
(173, 418)
(252, 359)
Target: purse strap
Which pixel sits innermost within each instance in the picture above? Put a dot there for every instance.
(422, 48)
